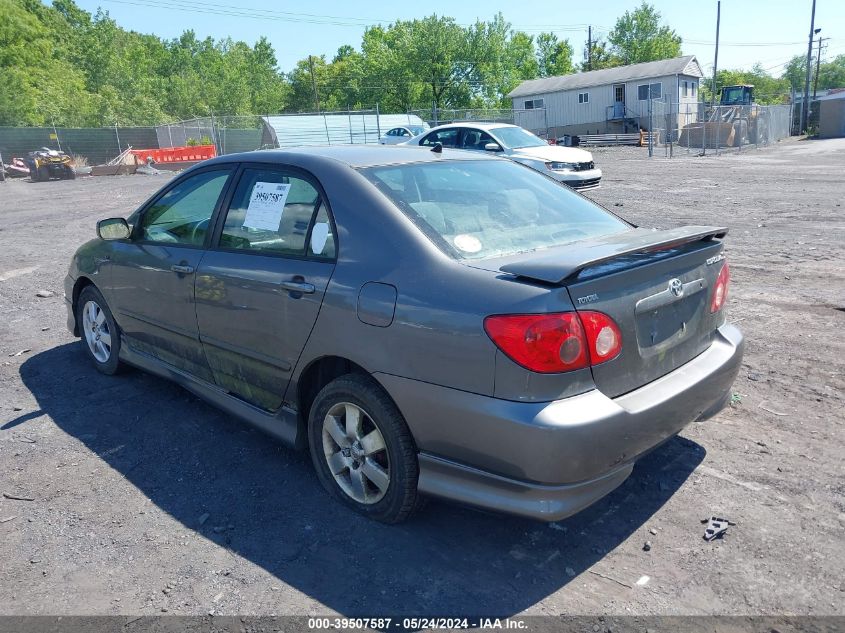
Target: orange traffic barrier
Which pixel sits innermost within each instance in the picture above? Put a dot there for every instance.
(176, 154)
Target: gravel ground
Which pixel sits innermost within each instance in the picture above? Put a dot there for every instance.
(144, 500)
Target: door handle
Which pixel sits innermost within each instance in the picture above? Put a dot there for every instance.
(298, 286)
(182, 270)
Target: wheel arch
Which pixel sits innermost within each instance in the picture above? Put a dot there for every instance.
(320, 372)
(79, 285)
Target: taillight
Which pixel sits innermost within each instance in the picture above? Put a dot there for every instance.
(556, 342)
(720, 290)
(603, 336)
(545, 343)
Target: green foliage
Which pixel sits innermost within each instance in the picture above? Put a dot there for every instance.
(65, 66)
(768, 90)
(638, 37)
(602, 57)
(553, 57)
(205, 140)
(831, 74)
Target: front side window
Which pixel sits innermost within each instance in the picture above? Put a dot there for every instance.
(476, 140)
(183, 214)
(447, 138)
(271, 211)
(481, 209)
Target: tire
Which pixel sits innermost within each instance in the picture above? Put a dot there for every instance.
(101, 343)
(34, 172)
(69, 173)
(377, 479)
(43, 173)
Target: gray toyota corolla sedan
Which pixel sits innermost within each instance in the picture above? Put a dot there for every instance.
(425, 322)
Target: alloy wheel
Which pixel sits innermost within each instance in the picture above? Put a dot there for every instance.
(355, 452)
(96, 330)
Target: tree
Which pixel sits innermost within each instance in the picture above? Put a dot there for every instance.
(768, 90)
(553, 56)
(831, 74)
(638, 37)
(602, 56)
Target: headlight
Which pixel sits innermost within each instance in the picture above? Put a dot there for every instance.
(555, 166)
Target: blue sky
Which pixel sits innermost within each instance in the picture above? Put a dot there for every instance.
(752, 31)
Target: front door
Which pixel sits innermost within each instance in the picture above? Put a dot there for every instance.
(152, 274)
(618, 101)
(260, 287)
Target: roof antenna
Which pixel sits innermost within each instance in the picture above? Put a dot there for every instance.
(438, 148)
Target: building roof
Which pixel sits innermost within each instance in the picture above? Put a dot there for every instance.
(833, 93)
(686, 65)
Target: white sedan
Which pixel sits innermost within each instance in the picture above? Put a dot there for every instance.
(401, 134)
(570, 165)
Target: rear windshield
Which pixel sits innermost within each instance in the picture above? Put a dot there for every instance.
(481, 209)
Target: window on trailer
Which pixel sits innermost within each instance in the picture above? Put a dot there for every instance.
(583, 97)
(649, 91)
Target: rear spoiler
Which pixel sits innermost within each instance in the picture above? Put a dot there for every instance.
(567, 261)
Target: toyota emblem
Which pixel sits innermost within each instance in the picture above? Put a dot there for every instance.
(676, 287)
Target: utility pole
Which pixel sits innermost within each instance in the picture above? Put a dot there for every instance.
(589, 48)
(805, 106)
(716, 56)
(314, 83)
(818, 63)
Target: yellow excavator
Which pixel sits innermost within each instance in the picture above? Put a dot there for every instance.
(737, 120)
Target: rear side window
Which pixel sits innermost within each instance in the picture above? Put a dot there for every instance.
(183, 213)
(482, 209)
(447, 138)
(272, 211)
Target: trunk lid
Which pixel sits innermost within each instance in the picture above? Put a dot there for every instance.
(655, 285)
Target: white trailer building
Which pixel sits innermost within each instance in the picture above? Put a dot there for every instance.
(613, 99)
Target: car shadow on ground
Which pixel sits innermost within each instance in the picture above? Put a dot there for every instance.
(266, 506)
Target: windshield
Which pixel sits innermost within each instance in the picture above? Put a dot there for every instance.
(416, 130)
(481, 209)
(516, 137)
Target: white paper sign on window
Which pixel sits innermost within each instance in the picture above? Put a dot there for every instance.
(266, 206)
(319, 235)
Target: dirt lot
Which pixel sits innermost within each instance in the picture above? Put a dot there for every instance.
(145, 500)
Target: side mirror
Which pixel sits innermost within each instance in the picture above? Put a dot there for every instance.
(113, 229)
(492, 147)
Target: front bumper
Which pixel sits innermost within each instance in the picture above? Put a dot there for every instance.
(71, 317)
(549, 460)
(578, 180)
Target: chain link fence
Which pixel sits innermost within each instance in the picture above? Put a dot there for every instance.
(677, 129)
(699, 128)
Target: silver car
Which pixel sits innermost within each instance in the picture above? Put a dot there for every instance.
(442, 323)
(400, 134)
(569, 165)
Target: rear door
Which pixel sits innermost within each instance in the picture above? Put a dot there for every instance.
(260, 286)
(152, 274)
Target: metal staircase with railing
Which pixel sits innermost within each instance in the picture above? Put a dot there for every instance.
(619, 115)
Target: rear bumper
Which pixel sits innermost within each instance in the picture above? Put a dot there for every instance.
(549, 460)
